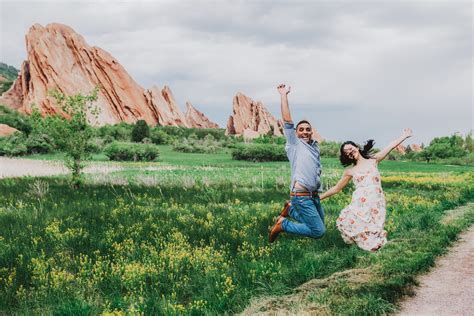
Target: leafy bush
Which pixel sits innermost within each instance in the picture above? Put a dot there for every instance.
(259, 152)
(158, 136)
(39, 144)
(178, 132)
(140, 131)
(269, 139)
(121, 131)
(131, 152)
(330, 149)
(194, 145)
(15, 119)
(13, 145)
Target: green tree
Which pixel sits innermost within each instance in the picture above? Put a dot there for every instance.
(447, 146)
(468, 142)
(140, 131)
(75, 130)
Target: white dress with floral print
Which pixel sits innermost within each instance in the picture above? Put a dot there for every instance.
(363, 220)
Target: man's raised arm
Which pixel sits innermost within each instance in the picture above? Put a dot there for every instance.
(285, 109)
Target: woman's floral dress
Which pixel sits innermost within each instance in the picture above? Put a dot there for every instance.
(363, 220)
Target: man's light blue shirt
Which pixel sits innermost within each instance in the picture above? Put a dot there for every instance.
(304, 160)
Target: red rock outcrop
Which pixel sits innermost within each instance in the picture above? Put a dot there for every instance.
(6, 130)
(168, 111)
(197, 119)
(401, 149)
(416, 147)
(60, 59)
(251, 119)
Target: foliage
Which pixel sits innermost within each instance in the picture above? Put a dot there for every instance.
(15, 119)
(131, 152)
(193, 240)
(178, 132)
(121, 131)
(193, 144)
(13, 145)
(269, 139)
(74, 132)
(259, 152)
(330, 149)
(158, 136)
(10, 73)
(140, 131)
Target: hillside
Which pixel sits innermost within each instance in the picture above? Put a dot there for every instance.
(8, 74)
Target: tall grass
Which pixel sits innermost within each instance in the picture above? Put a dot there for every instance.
(193, 240)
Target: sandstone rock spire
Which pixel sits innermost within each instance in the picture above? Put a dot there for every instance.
(251, 119)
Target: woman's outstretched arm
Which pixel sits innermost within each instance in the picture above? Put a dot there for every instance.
(382, 154)
(346, 177)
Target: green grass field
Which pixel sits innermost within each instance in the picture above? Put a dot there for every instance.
(188, 235)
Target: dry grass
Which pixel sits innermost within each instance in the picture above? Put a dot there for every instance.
(302, 301)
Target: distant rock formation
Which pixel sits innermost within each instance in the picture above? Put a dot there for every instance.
(168, 111)
(60, 59)
(6, 130)
(416, 147)
(197, 119)
(403, 150)
(251, 119)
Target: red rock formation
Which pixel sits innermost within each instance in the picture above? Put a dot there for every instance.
(251, 119)
(416, 147)
(168, 111)
(59, 58)
(197, 119)
(6, 130)
(401, 149)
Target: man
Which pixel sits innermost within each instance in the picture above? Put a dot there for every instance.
(303, 152)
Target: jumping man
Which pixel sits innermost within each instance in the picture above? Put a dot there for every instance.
(303, 153)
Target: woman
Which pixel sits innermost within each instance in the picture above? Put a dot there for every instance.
(363, 220)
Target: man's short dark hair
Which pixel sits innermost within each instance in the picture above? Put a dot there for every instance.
(302, 122)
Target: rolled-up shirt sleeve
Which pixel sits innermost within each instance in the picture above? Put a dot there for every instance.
(290, 134)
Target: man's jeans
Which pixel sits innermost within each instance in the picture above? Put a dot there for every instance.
(309, 214)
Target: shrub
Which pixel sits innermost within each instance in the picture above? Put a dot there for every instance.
(259, 152)
(330, 149)
(192, 144)
(158, 136)
(131, 152)
(269, 139)
(39, 144)
(140, 130)
(13, 145)
(15, 119)
(121, 131)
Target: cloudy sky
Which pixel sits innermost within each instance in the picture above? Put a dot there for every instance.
(358, 69)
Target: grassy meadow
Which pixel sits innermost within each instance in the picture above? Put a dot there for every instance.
(188, 235)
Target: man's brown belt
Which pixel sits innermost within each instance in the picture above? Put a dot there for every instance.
(303, 193)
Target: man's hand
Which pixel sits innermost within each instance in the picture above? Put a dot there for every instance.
(283, 90)
(407, 133)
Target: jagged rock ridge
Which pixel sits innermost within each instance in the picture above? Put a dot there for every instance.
(251, 119)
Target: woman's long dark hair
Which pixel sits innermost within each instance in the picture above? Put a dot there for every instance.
(366, 151)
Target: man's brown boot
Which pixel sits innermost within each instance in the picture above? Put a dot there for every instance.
(276, 229)
(286, 209)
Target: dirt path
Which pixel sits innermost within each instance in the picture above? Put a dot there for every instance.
(17, 167)
(448, 289)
